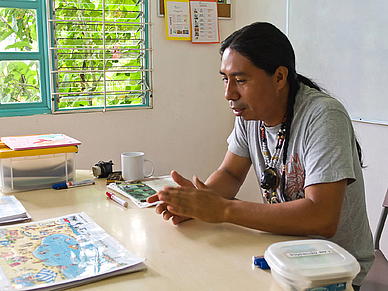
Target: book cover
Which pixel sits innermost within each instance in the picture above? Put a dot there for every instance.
(139, 191)
(11, 210)
(60, 253)
(28, 142)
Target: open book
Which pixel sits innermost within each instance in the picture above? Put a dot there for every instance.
(61, 253)
(11, 210)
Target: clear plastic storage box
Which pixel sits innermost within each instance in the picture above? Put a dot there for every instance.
(35, 168)
(311, 265)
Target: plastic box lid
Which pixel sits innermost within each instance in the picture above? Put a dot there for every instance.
(311, 260)
(6, 152)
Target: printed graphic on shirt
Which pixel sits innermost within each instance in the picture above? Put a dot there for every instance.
(294, 179)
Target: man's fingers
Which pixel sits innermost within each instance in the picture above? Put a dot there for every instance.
(176, 219)
(182, 197)
(180, 180)
(167, 215)
(153, 198)
(160, 208)
(198, 183)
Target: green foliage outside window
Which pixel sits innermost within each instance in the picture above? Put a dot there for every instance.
(19, 79)
(84, 34)
(19, 82)
(79, 38)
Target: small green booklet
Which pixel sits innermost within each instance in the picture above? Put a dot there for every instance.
(139, 191)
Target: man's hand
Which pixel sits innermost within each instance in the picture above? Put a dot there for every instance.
(200, 202)
(162, 208)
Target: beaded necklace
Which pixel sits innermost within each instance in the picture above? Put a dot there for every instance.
(270, 178)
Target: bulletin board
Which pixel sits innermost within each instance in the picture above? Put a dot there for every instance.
(224, 9)
(343, 46)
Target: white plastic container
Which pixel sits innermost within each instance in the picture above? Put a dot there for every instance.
(35, 169)
(308, 265)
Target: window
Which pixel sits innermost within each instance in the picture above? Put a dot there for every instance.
(23, 62)
(96, 55)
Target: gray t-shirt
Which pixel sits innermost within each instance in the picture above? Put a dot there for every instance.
(321, 149)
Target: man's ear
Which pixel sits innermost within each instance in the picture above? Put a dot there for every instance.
(281, 75)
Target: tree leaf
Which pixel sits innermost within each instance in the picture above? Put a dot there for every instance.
(4, 35)
(19, 44)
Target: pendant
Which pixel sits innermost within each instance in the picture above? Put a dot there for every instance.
(269, 179)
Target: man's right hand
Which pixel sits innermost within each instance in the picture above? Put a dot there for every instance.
(162, 208)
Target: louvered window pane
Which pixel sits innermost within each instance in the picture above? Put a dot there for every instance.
(100, 54)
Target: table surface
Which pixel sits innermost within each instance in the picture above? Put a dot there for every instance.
(191, 256)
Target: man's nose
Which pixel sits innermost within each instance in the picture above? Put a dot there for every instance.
(230, 91)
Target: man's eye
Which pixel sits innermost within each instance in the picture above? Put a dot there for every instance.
(240, 81)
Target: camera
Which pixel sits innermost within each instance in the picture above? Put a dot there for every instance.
(102, 169)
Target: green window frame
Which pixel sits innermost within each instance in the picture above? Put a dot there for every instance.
(119, 58)
(100, 55)
(40, 55)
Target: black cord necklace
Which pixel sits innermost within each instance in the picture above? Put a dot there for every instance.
(270, 177)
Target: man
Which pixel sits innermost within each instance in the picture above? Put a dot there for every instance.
(300, 142)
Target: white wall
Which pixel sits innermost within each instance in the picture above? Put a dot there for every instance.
(187, 128)
(248, 11)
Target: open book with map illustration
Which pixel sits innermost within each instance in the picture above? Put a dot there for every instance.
(60, 253)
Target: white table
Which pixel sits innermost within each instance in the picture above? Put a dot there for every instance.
(191, 256)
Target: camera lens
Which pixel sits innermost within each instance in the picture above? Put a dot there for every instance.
(96, 171)
(102, 169)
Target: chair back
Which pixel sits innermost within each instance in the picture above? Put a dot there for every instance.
(385, 202)
(381, 222)
(377, 279)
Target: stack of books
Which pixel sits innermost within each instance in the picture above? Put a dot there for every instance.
(42, 141)
(11, 210)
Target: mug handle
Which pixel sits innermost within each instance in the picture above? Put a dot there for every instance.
(152, 170)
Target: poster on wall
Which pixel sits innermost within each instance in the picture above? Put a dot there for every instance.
(204, 21)
(177, 17)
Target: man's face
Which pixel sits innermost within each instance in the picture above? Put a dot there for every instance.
(251, 92)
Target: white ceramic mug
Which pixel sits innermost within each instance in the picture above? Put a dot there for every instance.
(132, 166)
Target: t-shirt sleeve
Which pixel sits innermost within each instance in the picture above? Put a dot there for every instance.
(330, 149)
(237, 140)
